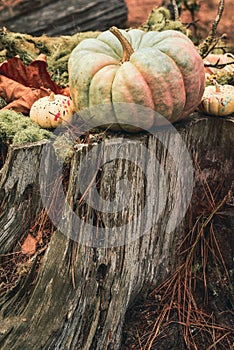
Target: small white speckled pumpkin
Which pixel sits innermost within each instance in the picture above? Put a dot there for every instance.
(218, 100)
(50, 111)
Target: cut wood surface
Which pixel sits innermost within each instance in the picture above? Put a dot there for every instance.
(80, 294)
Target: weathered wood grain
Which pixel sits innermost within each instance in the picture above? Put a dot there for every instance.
(63, 17)
(82, 292)
(19, 193)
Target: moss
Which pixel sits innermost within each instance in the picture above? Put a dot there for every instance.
(17, 44)
(227, 78)
(17, 129)
(57, 50)
(60, 53)
(64, 147)
(2, 103)
(222, 78)
(160, 19)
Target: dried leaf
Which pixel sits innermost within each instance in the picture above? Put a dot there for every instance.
(35, 75)
(21, 85)
(29, 245)
(19, 97)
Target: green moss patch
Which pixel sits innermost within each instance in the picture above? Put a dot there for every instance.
(2, 103)
(17, 129)
(225, 78)
(56, 49)
(160, 19)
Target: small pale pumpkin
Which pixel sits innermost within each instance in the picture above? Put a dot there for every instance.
(218, 100)
(161, 71)
(50, 111)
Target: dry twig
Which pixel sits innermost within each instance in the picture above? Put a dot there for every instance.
(211, 41)
(175, 9)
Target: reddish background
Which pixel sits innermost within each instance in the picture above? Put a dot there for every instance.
(140, 9)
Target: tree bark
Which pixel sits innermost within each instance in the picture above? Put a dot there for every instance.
(18, 193)
(63, 17)
(79, 296)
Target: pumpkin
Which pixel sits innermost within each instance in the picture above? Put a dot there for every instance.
(158, 70)
(50, 111)
(218, 100)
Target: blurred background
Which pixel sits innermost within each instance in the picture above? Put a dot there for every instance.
(62, 17)
(205, 12)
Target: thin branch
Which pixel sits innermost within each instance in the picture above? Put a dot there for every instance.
(217, 19)
(190, 24)
(213, 44)
(175, 9)
(210, 42)
(217, 65)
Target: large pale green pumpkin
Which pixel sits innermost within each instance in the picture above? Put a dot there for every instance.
(159, 70)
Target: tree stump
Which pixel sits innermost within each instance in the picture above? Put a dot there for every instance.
(78, 296)
(55, 18)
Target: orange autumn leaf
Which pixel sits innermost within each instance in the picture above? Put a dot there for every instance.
(29, 245)
(19, 97)
(22, 85)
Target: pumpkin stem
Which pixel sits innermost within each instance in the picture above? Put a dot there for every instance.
(127, 47)
(217, 86)
(51, 97)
